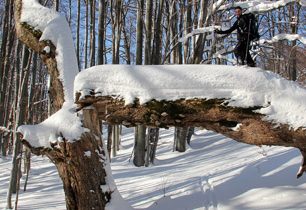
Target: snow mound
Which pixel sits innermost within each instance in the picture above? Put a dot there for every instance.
(282, 101)
(64, 123)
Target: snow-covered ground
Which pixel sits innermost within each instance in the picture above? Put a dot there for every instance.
(214, 173)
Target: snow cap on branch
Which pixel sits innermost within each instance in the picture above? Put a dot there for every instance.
(282, 101)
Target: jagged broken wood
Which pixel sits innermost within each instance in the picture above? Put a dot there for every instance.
(83, 176)
(241, 124)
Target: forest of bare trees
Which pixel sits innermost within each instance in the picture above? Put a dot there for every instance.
(132, 32)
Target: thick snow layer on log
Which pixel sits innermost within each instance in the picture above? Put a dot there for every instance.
(64, 123)
(56, 29)
(268, 6)
(259, 6)
(282, 101)
(289, 37)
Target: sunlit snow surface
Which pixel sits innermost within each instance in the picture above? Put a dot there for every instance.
(282, 101)
(214, 173)
(55, 28)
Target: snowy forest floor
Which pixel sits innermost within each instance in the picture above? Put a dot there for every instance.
(215, 173)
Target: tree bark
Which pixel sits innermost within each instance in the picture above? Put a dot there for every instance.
(180, 137)
(78, 32)
(81, 164)
(240, 124)
(139, 32)
(86, 35)
(92, 32)
(101, 32)
(140, 130)
(157, 41)
(20, 119)
(139, 145)
(148, 46)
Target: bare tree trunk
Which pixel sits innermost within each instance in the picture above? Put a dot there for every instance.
(188, 25)
(116, 18)
(78, 32)
(101, 32)
(86, 34)
(139, 145)
(56, 4)
(140, 130)
(20, 119)
(109, 140)
(6, 49)
(180, 133)
(166, 58)
(139, 32)
(92, 32)
(148, 40)
(292, 55)
(70, 12)
(199, 44)
(153, 133)
(127, 41)
(180, 137)
(5, 38)
(189, 134)
(157, 41)
(7, 111)
(116, 139)
(27, 151)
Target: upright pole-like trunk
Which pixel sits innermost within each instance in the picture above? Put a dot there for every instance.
(56, 4)
(153, 133)
(292, 58)
(92, 32)
(6, 49)
(5, 37)
(20, 119)
(127, 42)
(140, 130)
(180, 138)
(157, 41)
(27, 151)
(148, 40)
(78, 32)
(101, 32)
(188, 25)
(116, 18)
(180, 133)
(70, 12)
(139, 145)
(200, 41)
(139, 32)
(86, 34)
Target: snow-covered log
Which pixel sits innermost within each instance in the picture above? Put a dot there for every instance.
(279, 37)
(259, 6)
(247, 104)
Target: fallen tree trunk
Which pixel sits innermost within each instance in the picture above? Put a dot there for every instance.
(241, 124)
(81, 162)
